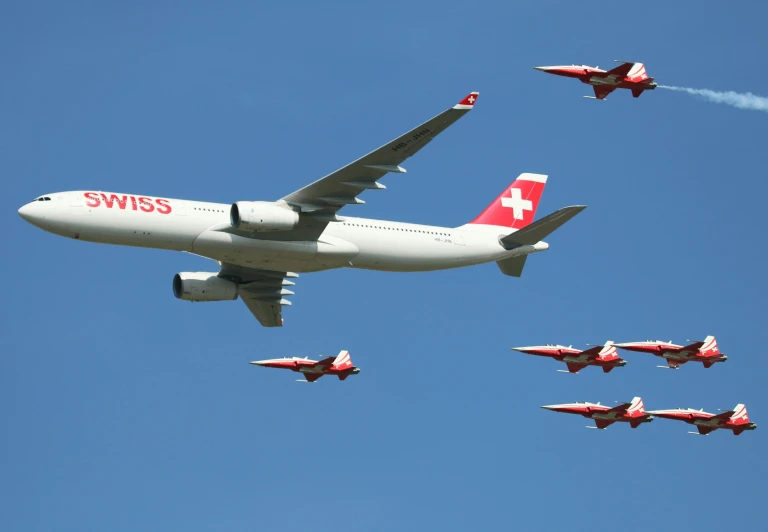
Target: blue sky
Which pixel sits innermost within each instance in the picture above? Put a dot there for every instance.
(124, 408)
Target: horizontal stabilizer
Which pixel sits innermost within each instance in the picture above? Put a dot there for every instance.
(512, 266)
(540, 229)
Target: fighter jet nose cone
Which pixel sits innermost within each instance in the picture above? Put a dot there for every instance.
(257, 363)
(548, 407)
(541, 69)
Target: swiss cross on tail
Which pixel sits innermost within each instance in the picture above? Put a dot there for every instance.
(516, 206)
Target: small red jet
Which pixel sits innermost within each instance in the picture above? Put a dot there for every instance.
(633, 413)
(705, 352)
(341, 366)
(628, 75)
(736, 420)
(604, 356)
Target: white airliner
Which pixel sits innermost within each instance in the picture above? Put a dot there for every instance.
(259, 245)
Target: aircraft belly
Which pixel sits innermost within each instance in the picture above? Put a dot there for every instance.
(297, 255)
(415, 253)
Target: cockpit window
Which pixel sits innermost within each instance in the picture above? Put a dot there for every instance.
(42, 198)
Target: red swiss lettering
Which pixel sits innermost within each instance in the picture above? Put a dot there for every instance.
(133, 202)
(112, 198)
(162, 206)
(93, 199)
(145, 204)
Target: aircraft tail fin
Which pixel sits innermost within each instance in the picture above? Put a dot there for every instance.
(608, 352)
(636, 408)
(342, 361)
(637, 92)
(709, 348)
(516, 206)
(740, 416)
(637, 73)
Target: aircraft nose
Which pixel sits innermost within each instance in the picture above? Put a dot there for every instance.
(543, 68)
(24, 212)
(549, 407)
(258, 363)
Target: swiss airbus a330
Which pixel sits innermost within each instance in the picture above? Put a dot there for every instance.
(261, 245)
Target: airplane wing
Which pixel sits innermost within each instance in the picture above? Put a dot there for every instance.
(695, 346)
(262, 291)
(312, 377)
(342, 187)
(603, 423)
(620, 408)
(601, 91)
(620, 72)
(326, 362)
(575, 368)
(590, 353)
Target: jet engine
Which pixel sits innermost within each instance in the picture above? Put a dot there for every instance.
(203, 286)
(262, 216)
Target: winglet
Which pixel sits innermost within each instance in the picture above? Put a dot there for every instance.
(468, 102)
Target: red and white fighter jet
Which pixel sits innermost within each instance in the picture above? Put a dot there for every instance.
(341, 366)
(628, 75)
(604, 356)
(736, 420)
(705, 351)
(633, 413)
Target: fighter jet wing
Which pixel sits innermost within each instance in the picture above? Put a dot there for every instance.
(620, 408)
(575, 368)
(312, 377)
(695, 346)
(601, 91)
(603, 423)
(262, 291)
(342, 187)
(620, 72)
(590, 353)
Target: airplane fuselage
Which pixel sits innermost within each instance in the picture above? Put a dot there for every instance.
(204, 229)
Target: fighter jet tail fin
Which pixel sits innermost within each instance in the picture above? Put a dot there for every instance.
(608, 352)
(636, 407)
(342, 361)
(740, 415)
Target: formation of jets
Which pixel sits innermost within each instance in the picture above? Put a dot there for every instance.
(627, 75)
(606, 356)
(635, 414)
(260, 247)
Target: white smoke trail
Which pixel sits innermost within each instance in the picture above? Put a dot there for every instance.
(748, 101)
